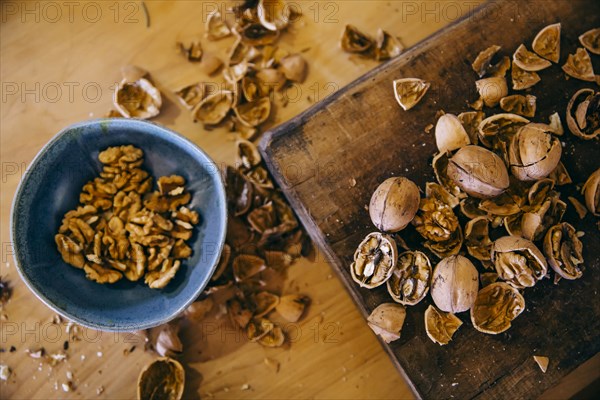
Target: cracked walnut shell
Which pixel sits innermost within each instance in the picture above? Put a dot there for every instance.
(518, 261)
(163, 378)
(411, 277)
(564, 251)
(387, 320)
(495, 307)
(409, 91)
(374, 260)
(440, 326)
(547, 42)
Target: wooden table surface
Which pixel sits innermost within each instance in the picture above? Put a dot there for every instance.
(59, 62)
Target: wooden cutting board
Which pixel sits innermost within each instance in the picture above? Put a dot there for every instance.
(329, 160)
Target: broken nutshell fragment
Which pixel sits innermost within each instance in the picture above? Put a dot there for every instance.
(411, 277)
(547, 42)
(254, 112)
(386, 46)
(579, 66)
(522, 79)
(354, 41)
(440, 326)
(518, 104)
(583, 114)
(495, 307)
(542, 362)
(273, 14)
(387, 320)
(191, 95)
(496, 130)
(264, 302)
(591, 192)
(216, 27)
(564, 251)
(163, 378)
(291, 307)
(294, 67)
(394, 204)
(135, 96)
(477, 238)
(214, 108)
(374, 260)
(591, 40)
(518, 261)
(409, 91)
(533, 153)
(450, 134)
(491, 90)
(482, 62)
(193, 52)
(529, 61)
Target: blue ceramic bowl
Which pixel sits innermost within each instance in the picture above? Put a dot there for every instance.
(51, 187)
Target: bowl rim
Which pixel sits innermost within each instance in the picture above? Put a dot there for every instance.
(220, 188)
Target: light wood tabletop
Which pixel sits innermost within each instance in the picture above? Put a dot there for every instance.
(59, 64)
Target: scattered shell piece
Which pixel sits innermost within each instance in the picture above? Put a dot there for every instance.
(450, 134)
(491, 90)
(547, 42)
(273, 14)
(440, 326)
(519, 104)
(591, 40)
(137, 99)
(542, 362)
(163, 378)
(291, 307)
(496, 306)
(387, 320)
(193, 52)
(386, 46)
(579, 208)
(591, 192)
(354, 41)
(214, 108)
(579, 66)
(482, 62)
(294, 67)
(5, 372)
(410, 91)
(522, 79)
(529, 61)
(216, 27)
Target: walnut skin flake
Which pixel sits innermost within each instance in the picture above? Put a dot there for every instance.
(409, 91)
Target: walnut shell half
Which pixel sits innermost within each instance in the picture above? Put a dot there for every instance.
(163, 378)
(495, 307)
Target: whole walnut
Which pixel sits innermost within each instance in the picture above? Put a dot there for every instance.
(394, 204)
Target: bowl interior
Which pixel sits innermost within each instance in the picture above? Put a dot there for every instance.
(51, 187)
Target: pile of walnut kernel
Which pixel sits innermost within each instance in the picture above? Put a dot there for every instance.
(502, 173)
(123, 228)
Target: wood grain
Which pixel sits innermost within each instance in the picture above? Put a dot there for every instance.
(40, 52)
(329, 160)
